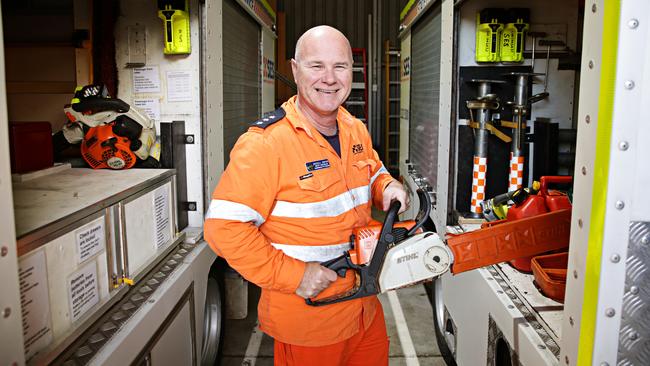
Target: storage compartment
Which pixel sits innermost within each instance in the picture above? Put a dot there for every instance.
(81, 235)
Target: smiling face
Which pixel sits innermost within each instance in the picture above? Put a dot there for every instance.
(322, 69)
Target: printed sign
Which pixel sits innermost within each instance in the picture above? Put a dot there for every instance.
(150, 107)
(35, 303)
(162, 224)
(90, 240)
(146, 80)
(83, 292)
(268, 70)
(179, 86)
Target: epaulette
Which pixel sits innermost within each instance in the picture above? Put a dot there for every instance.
(270, 118)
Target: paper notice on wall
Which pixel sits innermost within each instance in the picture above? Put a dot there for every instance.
(146, 80)
(179, 86)
(90, 240)
(83, 293)
(35, 303)
(150, 107)
(162, 223)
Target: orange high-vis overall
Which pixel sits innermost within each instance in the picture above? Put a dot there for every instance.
(287, 198)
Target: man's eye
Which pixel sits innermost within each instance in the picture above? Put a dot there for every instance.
(317, 67)
(341, 67)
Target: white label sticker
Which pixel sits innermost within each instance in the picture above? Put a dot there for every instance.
(162, 229)
(35, 303)
(150, 107)
(82, 291)
(178, 86)
(90, 240)
(146, 80)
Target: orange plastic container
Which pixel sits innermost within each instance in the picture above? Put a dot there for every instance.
(550, 274)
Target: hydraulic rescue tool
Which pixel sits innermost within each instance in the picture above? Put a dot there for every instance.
(403, 256)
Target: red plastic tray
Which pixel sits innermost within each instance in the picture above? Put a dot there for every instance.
(550, 274)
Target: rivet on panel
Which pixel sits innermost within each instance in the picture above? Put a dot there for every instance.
(4, 251)
(580, 223)
(632, 23)
(629, 84)
(571, 320)
(634, 290)
(609, 312)
(623, 145)
(594, 8)
(591, 64)
(511, 306)
(587, 119)
(566, 359)
(541, 346)
(619, 205)
(645, 240)
(583, 170)
(6, 312)
(575, 274)
(634, 336)
(604, 364)
(615, 258)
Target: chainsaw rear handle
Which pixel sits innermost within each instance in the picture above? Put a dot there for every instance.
(367, 275)
(101, 105)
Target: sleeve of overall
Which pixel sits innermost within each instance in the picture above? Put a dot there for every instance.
(380, 178)
(241, 202)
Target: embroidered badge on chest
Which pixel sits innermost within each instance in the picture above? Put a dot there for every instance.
(317, 165)
(357, 149)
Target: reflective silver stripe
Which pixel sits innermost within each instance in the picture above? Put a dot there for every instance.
(313, 253)
(381, 170)
(329, 208)
(228, 210)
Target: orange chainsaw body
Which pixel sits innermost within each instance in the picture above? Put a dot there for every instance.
(366, 238)
(102, 148)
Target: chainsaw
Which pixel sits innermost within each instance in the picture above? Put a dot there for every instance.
(403, 254)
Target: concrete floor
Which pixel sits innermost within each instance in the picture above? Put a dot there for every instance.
(240, 347)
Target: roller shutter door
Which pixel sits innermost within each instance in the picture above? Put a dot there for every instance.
(241, 73)
(425, 94)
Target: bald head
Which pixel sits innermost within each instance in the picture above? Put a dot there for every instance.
(321, 36)
(322, 69)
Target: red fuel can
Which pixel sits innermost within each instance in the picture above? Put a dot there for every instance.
(535, 204)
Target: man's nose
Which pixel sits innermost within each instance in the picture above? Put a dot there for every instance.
(328, 76)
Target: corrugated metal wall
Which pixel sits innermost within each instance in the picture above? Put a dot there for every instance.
(425, 94)
(241, 76)
(350, 17)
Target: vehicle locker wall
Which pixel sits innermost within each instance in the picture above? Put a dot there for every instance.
(174, 92)
(36, 31)
(241, 60)
(425, 94)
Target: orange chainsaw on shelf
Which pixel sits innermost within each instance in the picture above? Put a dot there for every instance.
(400, 254)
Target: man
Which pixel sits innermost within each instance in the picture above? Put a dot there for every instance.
(298, 182)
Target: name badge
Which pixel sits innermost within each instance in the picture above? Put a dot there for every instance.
(317, 165)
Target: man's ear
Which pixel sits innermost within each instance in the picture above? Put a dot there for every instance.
(294, 68)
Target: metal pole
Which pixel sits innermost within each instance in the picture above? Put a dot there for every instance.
(518, 114)
(484, 104)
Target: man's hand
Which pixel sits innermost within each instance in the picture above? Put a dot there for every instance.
(395, 191)
(315, 279)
